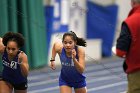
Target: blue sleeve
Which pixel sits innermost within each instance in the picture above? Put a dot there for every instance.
(124, 40)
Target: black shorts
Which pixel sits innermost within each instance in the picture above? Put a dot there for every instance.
(0, 77)
(21, 86)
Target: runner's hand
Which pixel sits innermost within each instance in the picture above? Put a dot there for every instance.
(52, 65)
(73, 53)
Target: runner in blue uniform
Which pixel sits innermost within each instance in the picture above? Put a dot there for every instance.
(72, 57)
(15, 64)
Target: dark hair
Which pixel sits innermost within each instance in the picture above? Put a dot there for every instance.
(79, 41)
(11, 36)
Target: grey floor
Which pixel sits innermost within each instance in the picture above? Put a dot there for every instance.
(104, 76)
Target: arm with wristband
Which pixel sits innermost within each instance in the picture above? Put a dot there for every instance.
(56, 49)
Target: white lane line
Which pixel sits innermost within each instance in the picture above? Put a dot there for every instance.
(43, 75)
(103, 72)
(37, 77)
(57, 73)
(100, 66)
(89, 90)
(42, 82)
(89, 68)
(102, 79)
(88, 74)
(44, 90)
(56, 80)
(107, 86)
(124, 92)
(88, 82)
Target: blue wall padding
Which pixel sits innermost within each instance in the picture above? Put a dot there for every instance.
(101, 23)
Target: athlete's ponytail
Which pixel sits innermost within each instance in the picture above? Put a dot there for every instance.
(79, 41)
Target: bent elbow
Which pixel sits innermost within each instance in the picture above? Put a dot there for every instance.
(120, 53)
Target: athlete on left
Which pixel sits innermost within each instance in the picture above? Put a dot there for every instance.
(15, 64)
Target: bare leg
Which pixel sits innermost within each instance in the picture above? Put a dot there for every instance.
(81, 90)
(5, 87)
(20, 91)
(65, 89)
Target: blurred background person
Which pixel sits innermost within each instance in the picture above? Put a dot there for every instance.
(128, 45)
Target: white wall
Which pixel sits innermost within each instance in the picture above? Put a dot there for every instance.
(103, 2)
(124, 8)
(48, 2)
(77, 17)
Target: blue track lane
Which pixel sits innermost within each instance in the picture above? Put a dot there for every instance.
(105, 76)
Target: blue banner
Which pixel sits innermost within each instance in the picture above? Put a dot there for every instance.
(49, 22)
(101, 24)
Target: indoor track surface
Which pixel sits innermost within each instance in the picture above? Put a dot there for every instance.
(104, 76)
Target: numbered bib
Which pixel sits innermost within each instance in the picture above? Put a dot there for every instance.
(13, 65)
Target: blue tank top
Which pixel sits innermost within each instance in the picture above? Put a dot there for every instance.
(11, 70)
(69, 72)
